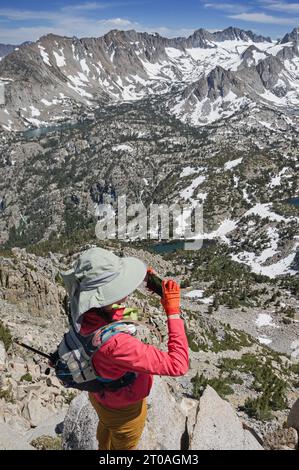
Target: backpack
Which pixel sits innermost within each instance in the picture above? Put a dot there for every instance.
(73, 359)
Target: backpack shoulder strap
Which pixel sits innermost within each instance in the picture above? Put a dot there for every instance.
(103, 334)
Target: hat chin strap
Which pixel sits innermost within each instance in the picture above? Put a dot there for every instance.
(98, 281)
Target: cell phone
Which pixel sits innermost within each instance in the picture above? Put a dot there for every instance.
(154, 283)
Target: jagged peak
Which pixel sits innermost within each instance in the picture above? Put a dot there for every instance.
(293, 36)
(236, 33)
(231, 33)
(128, 34)
(52, 36)
(218, 70)
(249, 50)
(200, 38)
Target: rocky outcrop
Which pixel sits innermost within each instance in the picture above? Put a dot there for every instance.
(233, 34)
(293, 36)
(210, 423)
(282, 439)
(268, 70)
(2, 356)
(293, 418)
(80, 425)
(200, 38)
(10, 440)
(167, 421)
(29, 398)
(29, 281)
(52, 426)
(251, 56)
(217, 426)
(214, 94)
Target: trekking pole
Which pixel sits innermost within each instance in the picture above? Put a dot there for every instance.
(36, 351)
(30, 348)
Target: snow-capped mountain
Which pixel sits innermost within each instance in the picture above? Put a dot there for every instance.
(199, 79)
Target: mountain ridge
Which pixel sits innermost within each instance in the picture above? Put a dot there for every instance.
(57, 78)
(66, 76)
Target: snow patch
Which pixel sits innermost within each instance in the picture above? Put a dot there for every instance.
(187, 193)
(60, 59)
(232, 163)
(123, 147)
(224, 229)
(84, 67)
(77, 85)
(173, 53)
(197, 294)
(264, 340)
(263, 211)
(44, 55)
(34, 111)
(188, 171)
(264, 319)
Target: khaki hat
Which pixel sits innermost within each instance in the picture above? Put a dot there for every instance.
(99, 278)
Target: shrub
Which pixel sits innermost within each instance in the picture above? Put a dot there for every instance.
(271, 388)
(258, 408)
(7, 395)
(26, 378)
(219, 384)
(5, 336)
(47, 443)
(68, 396)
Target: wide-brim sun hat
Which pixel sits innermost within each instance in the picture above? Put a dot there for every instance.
(100, 278)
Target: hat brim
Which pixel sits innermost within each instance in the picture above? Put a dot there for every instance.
(132, 274)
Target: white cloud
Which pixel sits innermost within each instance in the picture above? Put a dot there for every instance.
(168, 32)
(117, 23)
(247, 13)
(220, 6)
(23, 15)
(264, 18)
(235, 7)
(90, 6)
(276, 5)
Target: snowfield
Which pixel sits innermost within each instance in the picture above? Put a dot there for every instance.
(263, 320)
(123, 147)
(197, 294)
(233, 163)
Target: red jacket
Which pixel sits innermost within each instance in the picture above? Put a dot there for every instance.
(124, 353)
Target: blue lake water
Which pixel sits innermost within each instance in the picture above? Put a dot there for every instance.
(38, 132)
(294, 201)
(169, 247)
(42, 131)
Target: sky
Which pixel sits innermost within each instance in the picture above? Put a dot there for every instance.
(27, 20)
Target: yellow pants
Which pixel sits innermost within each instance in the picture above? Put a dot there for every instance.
(120, 429)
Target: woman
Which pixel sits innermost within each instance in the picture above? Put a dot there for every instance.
(99, 280)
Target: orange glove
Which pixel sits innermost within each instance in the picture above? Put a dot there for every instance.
(171, 297)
